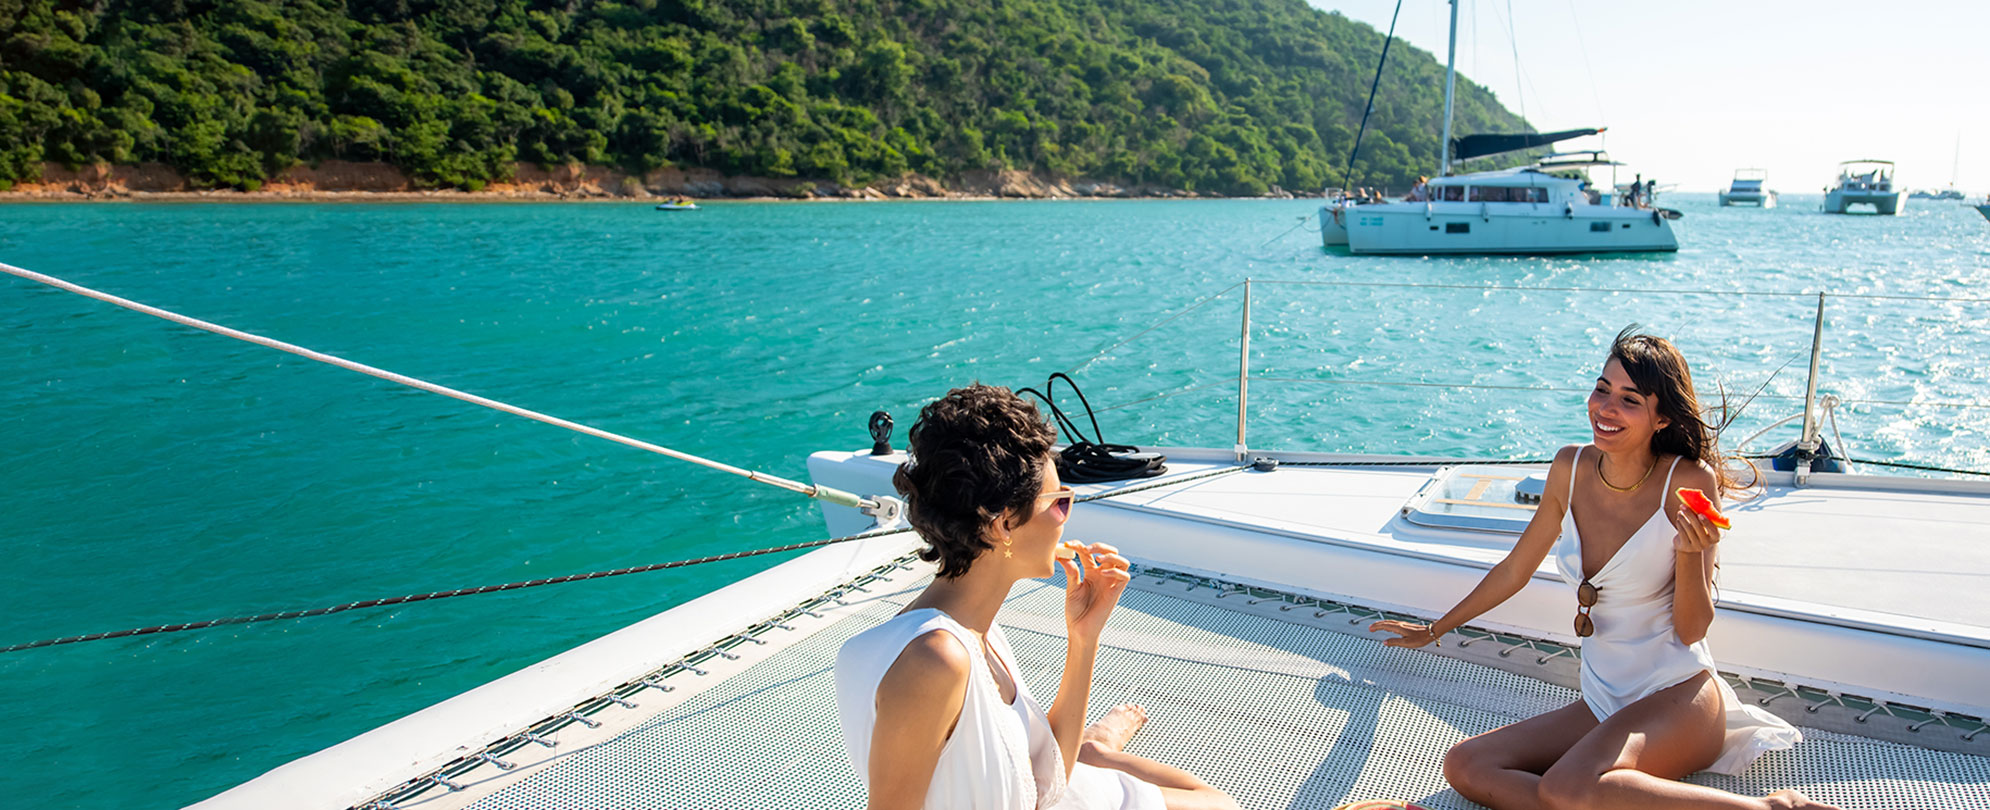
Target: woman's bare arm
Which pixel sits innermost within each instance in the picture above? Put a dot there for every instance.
(1094, 581)
(918, 705)
(1692, 557)
(1511, 574)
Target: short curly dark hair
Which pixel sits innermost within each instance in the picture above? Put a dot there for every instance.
(977, 453)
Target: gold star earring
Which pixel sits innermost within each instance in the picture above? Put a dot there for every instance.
(1008, 546)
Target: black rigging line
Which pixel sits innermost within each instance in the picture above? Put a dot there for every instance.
(1347, 174)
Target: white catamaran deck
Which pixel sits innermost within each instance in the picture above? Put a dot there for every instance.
(1244, 634)
(1271, 701)
(1914, 554)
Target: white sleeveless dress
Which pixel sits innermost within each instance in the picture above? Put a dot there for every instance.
(1635, 650)
(1001, 756)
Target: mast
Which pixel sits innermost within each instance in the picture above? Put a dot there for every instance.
(1450, 86)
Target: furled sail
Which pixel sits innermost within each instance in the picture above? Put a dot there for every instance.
(1472, 146)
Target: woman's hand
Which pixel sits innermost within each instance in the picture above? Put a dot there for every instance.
(1092, 586)
(1696, 534)
(1408, 634)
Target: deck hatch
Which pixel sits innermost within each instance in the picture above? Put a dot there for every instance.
(1473, 497)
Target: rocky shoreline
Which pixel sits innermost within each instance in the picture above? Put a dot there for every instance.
(344, 181)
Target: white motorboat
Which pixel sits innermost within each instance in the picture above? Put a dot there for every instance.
(677, 205)
(1257, 572)
(1746, 189)
(1862, 183)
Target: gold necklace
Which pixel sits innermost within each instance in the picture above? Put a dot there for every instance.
(1641, 479)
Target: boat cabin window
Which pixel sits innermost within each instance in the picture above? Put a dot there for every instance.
(1520, 194)
(1457, 227)
(1453, 193)
(1599, 227)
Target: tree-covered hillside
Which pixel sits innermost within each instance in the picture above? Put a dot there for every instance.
(1231, 96)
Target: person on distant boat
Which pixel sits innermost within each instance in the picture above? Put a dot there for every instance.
(1641, 564)
(934, 711)
(1421, 191)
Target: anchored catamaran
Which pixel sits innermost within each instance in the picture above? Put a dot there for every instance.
(1534, 210)
(1548, 208)
(1865, 182)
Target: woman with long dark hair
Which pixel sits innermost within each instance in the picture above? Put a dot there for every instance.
(1641, 565)
(934, 713)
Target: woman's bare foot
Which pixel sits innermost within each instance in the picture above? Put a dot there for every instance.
(1117, 728)
(1796, 801)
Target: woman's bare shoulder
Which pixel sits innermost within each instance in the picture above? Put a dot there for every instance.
(935, 659)
(1564, 460)
(1690, 474)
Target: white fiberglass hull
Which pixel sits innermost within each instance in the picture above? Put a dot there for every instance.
(1748, 198)
(1511, 228)
(1333, 224)
(1839, 201)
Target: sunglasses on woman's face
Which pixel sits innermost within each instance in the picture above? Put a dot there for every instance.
(1061, 506)
(1585, 598)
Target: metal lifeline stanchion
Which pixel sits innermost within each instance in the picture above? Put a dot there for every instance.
(1244, 372)
(1807, 447)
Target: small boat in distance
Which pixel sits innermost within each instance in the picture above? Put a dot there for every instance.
(1746, 189)
(1930, 194)
(1984, 209)
(677, 204)
(1865, 182)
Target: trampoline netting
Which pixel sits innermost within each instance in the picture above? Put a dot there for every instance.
(1281, 712)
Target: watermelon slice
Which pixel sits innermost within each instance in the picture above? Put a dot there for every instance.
(1698, 502)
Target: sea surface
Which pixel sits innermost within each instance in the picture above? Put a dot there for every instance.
(155, 474)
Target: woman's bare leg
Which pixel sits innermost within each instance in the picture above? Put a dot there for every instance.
(1634, 759)
(1180, 789)
(1502, 768)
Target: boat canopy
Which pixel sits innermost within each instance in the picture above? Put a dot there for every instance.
(1472, 146)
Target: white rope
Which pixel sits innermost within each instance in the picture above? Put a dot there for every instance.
(816, 491)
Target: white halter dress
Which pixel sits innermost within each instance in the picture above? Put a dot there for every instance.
(1635, 650)
(1001, 756)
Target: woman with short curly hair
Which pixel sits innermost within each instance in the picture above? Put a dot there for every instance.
(933, 711)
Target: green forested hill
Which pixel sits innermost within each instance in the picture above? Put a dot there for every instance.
(1229, 96)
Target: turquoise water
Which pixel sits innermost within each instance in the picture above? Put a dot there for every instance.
(155, 474)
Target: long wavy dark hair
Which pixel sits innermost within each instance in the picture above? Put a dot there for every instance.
(1659, 370)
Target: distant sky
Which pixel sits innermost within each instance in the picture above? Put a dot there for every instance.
(1692, 90)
